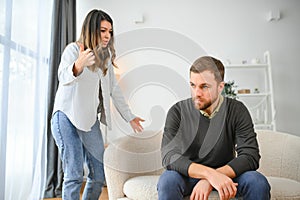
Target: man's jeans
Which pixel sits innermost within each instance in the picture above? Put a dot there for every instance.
(75, 148)
(251, 186)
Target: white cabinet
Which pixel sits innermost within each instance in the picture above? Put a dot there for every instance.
(258, 78)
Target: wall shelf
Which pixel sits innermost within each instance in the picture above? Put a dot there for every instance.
(247, 66)
(255, 76)
(254, 94)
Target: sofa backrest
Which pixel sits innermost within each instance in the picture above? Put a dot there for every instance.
(280, 154)
(140, 154)
(135, 153)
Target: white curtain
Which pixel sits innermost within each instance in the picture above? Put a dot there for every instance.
(25, 28)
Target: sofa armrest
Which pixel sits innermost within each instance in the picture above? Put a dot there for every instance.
(130, 156)
(279, 154)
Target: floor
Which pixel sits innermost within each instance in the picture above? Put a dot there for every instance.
(104, 195)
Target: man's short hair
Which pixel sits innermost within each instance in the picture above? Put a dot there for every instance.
(211, 64)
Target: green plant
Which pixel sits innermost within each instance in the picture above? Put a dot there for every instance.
(229, 90)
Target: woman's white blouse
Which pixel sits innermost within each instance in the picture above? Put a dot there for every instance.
(78, 97)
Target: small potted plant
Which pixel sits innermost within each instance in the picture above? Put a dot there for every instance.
(229, 90)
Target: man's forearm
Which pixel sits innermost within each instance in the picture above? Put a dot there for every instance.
(227, 170)
(218, 178)
(199, 171)
(203, 172)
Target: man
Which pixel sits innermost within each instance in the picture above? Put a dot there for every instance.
(209, 143)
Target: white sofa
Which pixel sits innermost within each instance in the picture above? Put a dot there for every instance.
(132, 165)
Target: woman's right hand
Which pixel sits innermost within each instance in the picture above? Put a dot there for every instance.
(85, 58)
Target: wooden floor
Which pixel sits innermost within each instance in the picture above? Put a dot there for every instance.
(104, 195)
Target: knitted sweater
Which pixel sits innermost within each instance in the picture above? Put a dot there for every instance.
(226, 139)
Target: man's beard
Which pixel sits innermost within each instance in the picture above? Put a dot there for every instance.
(202, 106)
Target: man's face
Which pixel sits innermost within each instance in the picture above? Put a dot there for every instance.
(205, 90)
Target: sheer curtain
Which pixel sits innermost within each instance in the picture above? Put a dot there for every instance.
(25, 28)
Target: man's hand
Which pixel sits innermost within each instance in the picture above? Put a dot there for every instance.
(85, 58)
(223, 184)
(136, 125)
(220, 179)
(201, 190)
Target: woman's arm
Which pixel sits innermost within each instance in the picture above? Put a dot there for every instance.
(120, 103)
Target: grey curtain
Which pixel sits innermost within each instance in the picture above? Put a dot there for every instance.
(63, 32)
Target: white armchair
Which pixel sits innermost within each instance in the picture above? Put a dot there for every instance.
(132, 165)
(133, 156)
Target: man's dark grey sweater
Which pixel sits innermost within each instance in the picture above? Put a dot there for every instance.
(226, 139)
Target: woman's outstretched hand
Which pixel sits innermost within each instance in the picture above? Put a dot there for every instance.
(136, 125)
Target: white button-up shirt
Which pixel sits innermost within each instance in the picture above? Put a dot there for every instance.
(78, 97)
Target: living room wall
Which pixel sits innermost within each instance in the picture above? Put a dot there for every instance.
(230, 30)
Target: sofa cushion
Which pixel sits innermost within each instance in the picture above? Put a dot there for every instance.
(141, 187)
(283, 188)
(144, 187)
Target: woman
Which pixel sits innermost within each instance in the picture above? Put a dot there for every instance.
(86, 82)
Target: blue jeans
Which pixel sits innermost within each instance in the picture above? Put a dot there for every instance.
(251, 186)
(76, 148)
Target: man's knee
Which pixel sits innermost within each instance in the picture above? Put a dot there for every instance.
(256, 182)
(261, 182)
(170, 180)
(256, 177)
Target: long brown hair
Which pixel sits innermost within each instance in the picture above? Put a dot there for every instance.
(90, 37)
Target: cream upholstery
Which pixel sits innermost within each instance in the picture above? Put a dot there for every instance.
(132, 165)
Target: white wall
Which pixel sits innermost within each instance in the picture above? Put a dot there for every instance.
(234, 30)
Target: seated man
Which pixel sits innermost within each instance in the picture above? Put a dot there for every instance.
(209, 143)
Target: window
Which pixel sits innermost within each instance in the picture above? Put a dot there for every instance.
(1, 68)
(25, 28)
